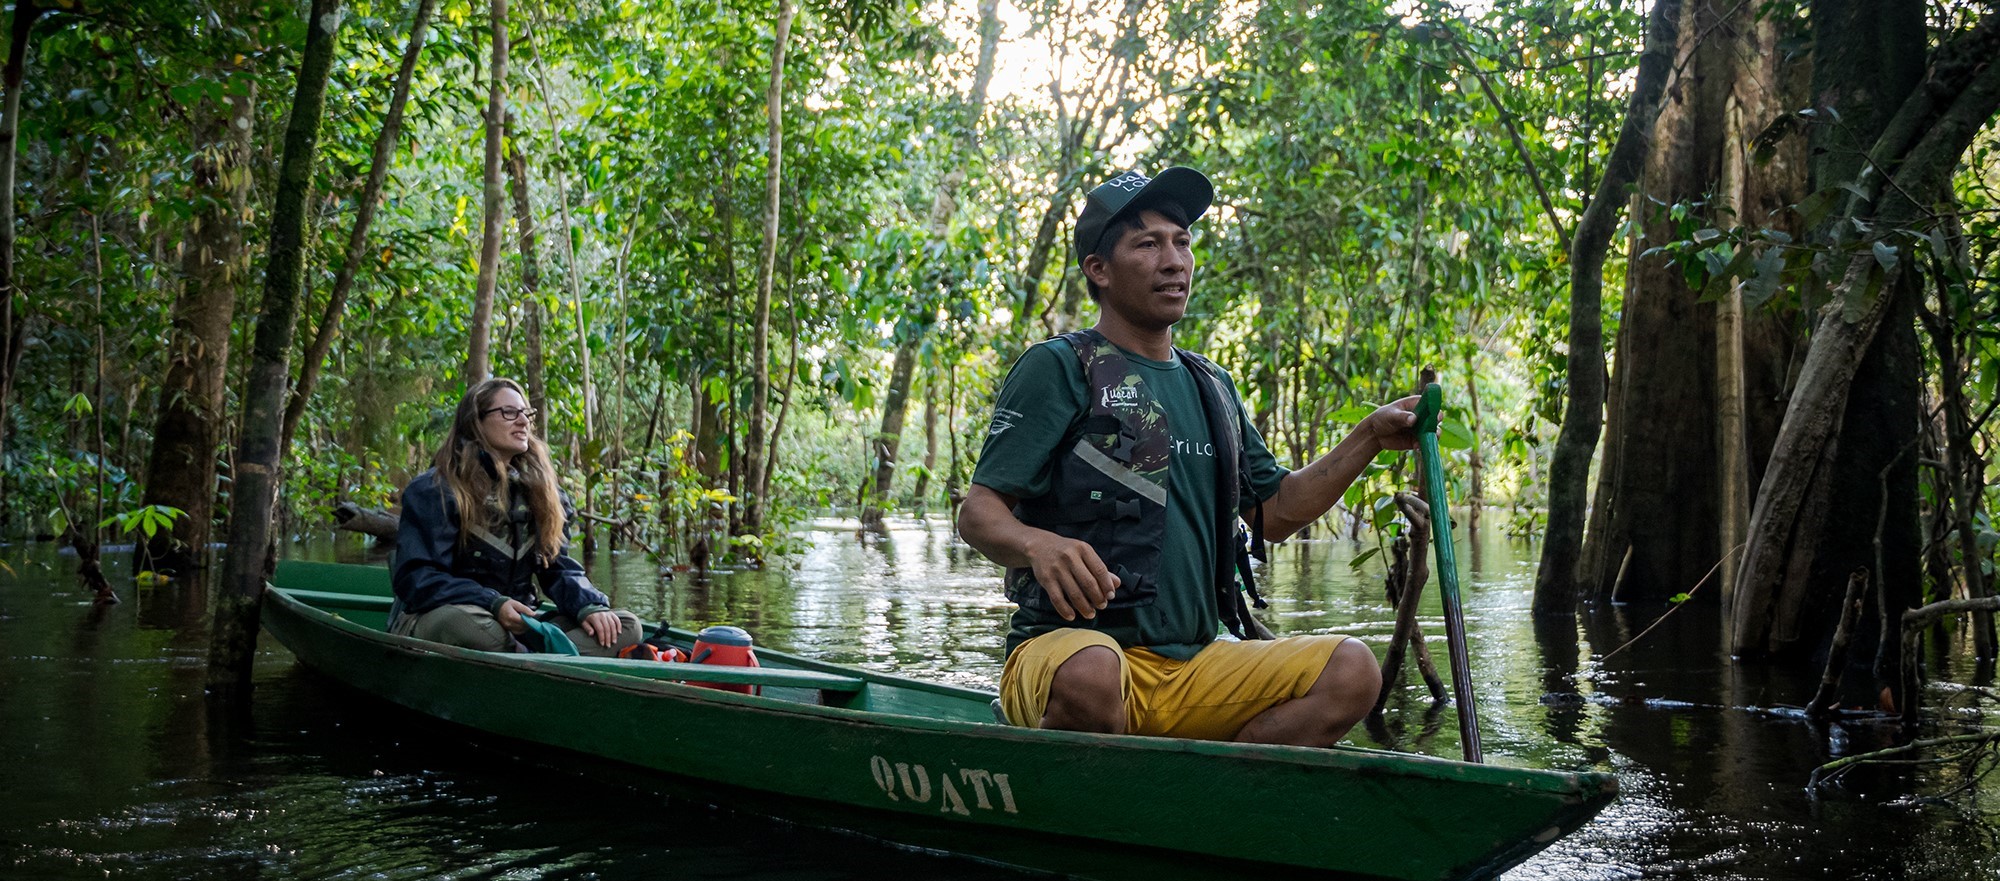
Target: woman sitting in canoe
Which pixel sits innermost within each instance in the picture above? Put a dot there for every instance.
(471, 580)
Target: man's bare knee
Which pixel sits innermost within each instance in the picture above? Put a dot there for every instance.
(1087, 693)
(1345, 691)
(1354, 673)
(1348, 686)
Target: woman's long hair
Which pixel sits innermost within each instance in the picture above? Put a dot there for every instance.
(481, 496)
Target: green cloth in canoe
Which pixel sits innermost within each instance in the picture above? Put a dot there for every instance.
(546, 638)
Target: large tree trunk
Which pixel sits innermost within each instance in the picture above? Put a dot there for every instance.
(251, 557)
(1754, 350)
(1583, 414)
(756, 481)
(1867, 58)
(1822, 462)
(478, 359)
(188, 431)
(888, 439)
(11, 324)
(357, 240)
(1662, 510)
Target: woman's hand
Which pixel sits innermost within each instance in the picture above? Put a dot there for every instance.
(511, 614)
(603, 627)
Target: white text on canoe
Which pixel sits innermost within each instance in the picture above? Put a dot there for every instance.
(902, 781)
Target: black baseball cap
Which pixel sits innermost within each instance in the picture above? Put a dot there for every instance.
(1180, 185)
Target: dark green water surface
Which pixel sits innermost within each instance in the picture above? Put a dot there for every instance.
(112, 765)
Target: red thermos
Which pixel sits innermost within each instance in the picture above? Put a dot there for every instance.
(724, 646)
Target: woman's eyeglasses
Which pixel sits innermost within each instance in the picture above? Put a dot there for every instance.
(510, 413)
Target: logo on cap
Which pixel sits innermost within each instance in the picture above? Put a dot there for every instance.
(1130, 181)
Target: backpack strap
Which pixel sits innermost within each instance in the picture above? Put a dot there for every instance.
(1232, 553)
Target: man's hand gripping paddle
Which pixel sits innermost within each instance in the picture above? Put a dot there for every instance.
(1431, 465)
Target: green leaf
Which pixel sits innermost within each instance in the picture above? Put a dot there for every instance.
(1720, 280)
(1939, 250)
(1814, 209)
(1353, 413)
(1385, 512)
(1885, 254)
(1770, 274)
(1453, 435)
(1716, 260)
(1362, 558)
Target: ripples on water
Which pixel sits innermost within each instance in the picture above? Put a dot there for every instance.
(111, 766)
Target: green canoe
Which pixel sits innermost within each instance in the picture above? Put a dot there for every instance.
(884, 751)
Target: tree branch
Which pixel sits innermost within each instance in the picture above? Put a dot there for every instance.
(1514, 132)
(1923, 616)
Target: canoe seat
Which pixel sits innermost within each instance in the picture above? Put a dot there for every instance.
(835, 690)
(326, 599)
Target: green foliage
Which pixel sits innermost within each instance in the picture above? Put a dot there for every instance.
(147, 520)
(1374, 216)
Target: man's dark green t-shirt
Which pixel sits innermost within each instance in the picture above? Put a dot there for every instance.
(1042, 400)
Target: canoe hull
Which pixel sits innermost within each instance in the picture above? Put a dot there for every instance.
(1360, 812)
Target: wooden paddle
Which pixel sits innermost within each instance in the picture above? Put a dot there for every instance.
(1431, 464)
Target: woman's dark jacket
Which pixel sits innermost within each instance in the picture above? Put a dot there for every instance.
(433, 569)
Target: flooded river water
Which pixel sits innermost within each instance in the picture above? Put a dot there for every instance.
(112, 765)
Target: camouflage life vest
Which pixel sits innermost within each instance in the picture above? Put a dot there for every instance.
(1110, 486)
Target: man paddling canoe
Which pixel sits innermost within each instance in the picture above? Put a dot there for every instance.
(1109, 485)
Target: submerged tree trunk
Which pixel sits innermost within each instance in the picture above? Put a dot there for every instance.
(710, 417)
(1868, 65)
(1475, 501)
(706, 424)
(1964, 470)
(1583, 414)
(187, 434)
(1868, 57)
(357, 240)
(756, 480)
(478, 358)
(26, 12)
(923, 488)
(1684, 440)
(952, 494)
(233, 640)
(889, 440)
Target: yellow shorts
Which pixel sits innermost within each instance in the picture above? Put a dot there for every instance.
(1208, 697)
